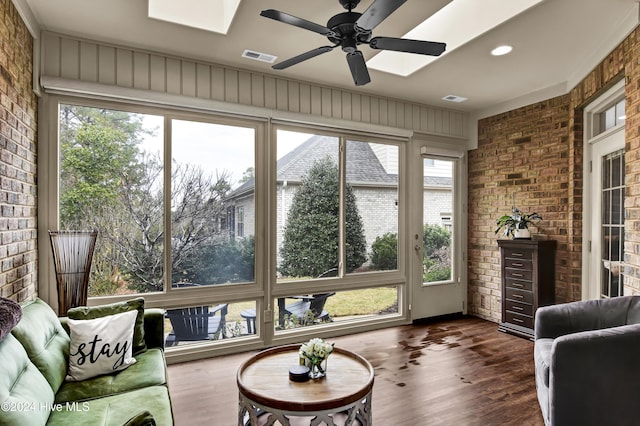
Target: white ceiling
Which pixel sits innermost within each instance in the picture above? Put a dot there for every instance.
(555, 44)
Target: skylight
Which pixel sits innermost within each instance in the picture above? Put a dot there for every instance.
(456, 24)
(210, 15)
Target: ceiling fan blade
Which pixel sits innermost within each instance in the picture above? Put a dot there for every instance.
(302, 57)
(297, 22)
(377, 12)
(407, 45)
(358, 68)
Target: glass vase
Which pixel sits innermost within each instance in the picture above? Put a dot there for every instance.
(317, 370)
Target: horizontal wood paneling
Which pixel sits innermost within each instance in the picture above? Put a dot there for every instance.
(74, 59)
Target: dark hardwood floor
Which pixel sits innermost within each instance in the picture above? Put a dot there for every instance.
(459, 372)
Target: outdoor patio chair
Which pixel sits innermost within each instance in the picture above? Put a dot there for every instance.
(313, 304)
(196, 323)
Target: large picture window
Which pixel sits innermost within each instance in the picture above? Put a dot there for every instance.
(112, 178)
(236, 234)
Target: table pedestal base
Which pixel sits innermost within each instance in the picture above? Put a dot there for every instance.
(356, 413)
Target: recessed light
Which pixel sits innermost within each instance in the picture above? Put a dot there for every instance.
(454, 98)
(501, 50)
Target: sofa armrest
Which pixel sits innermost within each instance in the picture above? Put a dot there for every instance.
(154, 327)
(589, 376)
(558, 320)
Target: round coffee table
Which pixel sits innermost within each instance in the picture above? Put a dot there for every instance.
(265, 389)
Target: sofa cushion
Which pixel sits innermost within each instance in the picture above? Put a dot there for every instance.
(45, 341)
(87, 313)
(116, 409)
(25, 394)
(149, 370)
(100, 346)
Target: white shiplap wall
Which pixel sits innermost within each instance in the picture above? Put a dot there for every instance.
(75, 60)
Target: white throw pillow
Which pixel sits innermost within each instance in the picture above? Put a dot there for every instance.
(100, 346)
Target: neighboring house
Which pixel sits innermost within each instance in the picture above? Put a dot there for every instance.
(375, 187)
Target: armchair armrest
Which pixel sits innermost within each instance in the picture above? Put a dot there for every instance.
(590, 375)
(154, 327)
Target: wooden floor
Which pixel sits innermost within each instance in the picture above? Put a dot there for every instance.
(452, 372)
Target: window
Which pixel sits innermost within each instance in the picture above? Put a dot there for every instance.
(613, 116)
(612, 244)
(438, 230)
(318, 234)
(240, 232)
(177, 201)
(112, 178)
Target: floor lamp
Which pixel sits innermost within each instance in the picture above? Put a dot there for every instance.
(72, 256)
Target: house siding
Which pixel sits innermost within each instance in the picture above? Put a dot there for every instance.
(536, 153)
(18, 125)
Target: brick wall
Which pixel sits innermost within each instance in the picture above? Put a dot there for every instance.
(536, 153)
(18, 123)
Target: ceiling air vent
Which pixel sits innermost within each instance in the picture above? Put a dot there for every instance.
(454, 98)
(259, 56)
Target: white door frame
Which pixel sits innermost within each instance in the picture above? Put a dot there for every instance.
(430, 300)
(594, 148)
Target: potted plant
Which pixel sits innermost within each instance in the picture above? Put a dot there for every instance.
(516, 225)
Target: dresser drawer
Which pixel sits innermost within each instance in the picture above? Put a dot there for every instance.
(517, 253)
(518, 274)
(519, 319)
(518, 308)
(519, 284)
(523, 264)
(522, 296)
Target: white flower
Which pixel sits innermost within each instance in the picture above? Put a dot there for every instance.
(315, 350)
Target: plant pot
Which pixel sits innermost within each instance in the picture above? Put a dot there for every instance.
(521, 234)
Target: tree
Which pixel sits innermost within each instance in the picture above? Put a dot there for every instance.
(310, 244)
(97, 147)
(109, 184)
(384, 251)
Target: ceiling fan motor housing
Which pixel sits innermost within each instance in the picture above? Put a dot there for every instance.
(346, 34)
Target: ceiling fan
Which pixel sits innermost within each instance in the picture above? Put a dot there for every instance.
(351, 29)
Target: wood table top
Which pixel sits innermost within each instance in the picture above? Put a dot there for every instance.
(264, 378)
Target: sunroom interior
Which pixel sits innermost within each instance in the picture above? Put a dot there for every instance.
(198, 184)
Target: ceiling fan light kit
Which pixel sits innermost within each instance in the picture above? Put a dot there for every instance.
(350, 29)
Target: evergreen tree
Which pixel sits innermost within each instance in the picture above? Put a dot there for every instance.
(311, 234)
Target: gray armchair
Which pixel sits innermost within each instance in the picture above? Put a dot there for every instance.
(587, 361)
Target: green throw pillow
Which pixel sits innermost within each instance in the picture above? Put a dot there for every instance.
(88, 313)
(143, 418)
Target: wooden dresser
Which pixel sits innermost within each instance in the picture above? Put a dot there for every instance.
(528, 281)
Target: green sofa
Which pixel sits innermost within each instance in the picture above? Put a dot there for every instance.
(33, 366)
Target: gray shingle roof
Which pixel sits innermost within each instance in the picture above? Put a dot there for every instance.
(362, 164)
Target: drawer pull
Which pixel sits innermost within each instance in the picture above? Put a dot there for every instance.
(518, 308)
(518, 265)
(513, 274)
(518, 296)
(517, 285)
(518, 320)
(517, 254)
